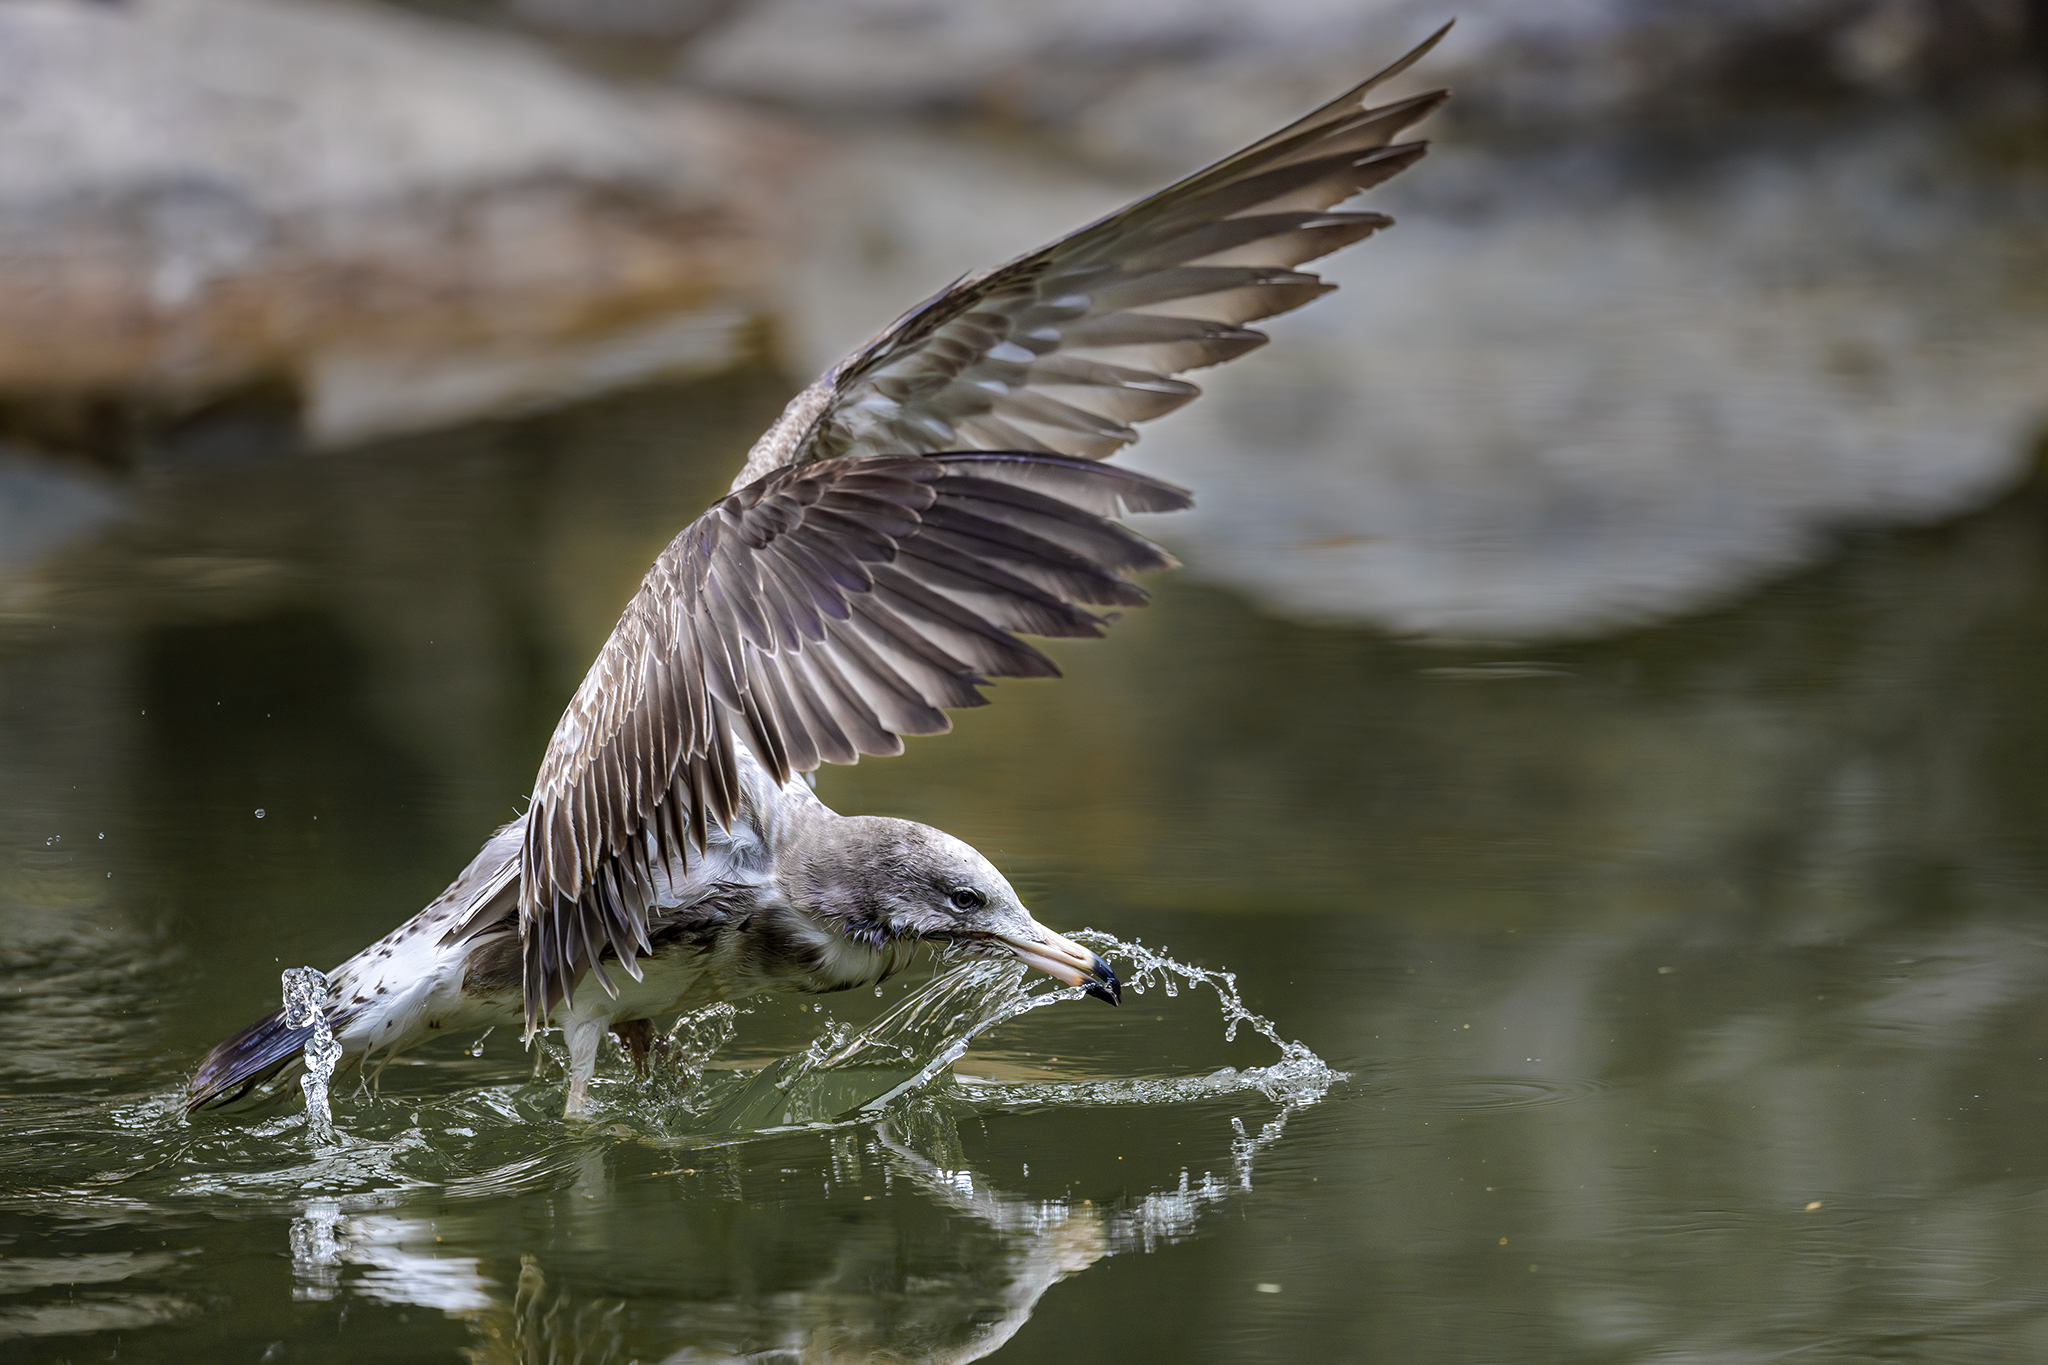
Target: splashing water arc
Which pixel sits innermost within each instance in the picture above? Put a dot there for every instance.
(849, 1074)
(860, 1074)
(305, 1006)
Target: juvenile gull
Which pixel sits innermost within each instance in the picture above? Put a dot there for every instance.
(927, 500)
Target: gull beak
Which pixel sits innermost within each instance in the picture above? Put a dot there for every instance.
(1060, 957)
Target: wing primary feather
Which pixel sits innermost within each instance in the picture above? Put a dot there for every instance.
(1045, 410)
(850, 710)
(937, 679)
(952, 564)
(590, 959)
(991, 430)
(1343, 166)
(1334, 109)
(1080, 528)
(888, 700)
(800, 749)
(1004, 539)
(899, 619)
(834, 745)
(699, 831)
(1105, 489)
(765, 736)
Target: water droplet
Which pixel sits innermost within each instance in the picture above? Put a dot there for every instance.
(305, 1006)
(259, 812)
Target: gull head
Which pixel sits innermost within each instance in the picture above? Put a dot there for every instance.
(879, 880)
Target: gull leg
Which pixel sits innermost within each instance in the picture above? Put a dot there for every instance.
(582, 1033)
(637, 1037)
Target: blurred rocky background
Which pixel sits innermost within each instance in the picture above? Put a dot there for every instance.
(234, 223)
(1684, 291)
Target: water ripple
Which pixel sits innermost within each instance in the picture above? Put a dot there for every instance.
(1500, 1092)
(487, 1141)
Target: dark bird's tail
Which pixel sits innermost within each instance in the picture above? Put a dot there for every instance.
(244, 1062)
(401, 990)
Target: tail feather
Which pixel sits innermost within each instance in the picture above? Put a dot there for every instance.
(244, 1062)
(395, 992)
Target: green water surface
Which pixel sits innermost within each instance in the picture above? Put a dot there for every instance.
(1689, 983)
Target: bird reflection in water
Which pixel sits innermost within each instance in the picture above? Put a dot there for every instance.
(960, 1299)
(867, 1271)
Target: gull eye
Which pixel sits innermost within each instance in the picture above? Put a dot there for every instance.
(967, 898)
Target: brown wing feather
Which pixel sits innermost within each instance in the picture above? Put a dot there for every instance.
(861, 579)
(1061, 350)
(823, 612)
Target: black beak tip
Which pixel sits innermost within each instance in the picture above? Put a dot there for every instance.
(1105, 986)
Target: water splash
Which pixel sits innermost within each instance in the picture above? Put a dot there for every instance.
(305, 1006)
(988, 994)
(719, 1080)
(1299, 1077)
(316, 1251)
(843, 1070)
(846, 1073)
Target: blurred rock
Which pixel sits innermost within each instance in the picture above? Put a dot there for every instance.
(671, 20)
(198, 193)
(1146, 78)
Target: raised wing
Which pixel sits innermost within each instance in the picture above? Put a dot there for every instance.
(822, 612)
(1062, 350)
(873, 567)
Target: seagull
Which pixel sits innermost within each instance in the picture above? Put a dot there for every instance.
(933, 497)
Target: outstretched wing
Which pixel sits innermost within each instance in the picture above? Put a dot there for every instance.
(822, 612)
(1062, 350)
(916, 509)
